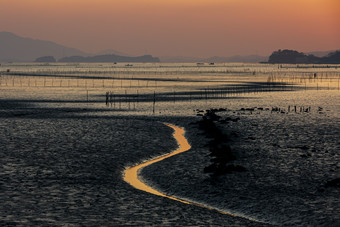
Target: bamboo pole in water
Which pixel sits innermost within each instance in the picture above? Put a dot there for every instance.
(114, 100)
(174, 96)
(137, 100)
(154, 102)
(126, 100)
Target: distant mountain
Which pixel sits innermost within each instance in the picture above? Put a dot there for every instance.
(45, 59)
(295, 57)
(242, 59)
(320, 53)
(331, 58)
(110, 58)
(19, 49)
(180, 59)
(110, 52)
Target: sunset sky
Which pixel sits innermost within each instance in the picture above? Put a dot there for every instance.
(201, 28)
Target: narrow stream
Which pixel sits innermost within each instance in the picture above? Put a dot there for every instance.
(131, 174)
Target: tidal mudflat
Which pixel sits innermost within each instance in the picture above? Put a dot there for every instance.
(68, 132)
(282, 167)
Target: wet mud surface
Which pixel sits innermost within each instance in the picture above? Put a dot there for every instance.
(67, 136)
(289, 158)
(68, 171)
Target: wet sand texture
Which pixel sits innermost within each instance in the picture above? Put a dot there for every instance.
(131, 175)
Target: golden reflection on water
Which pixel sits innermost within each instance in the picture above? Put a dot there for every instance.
(131, 174)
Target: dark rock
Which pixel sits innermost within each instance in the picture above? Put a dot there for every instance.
(333, 183)
(221, 151)
(236, 119)
(321, 190)
(210, 169)
(235, 168)
(212, 116)
(223, 121)
(304, 147)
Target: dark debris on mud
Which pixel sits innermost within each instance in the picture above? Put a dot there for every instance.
(219, 149)
(290, 157)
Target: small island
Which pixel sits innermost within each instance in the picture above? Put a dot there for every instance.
(295, 57)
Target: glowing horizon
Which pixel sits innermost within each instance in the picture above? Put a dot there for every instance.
(197, 28)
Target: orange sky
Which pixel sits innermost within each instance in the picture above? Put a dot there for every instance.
(199, 28)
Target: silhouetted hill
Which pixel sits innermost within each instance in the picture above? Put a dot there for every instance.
(110, 58)
(238, 58)
(320, 53)
(45, 59)
(180, 59)
(19, 49)
(295, 57)
(332, 58)
(110, 52)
